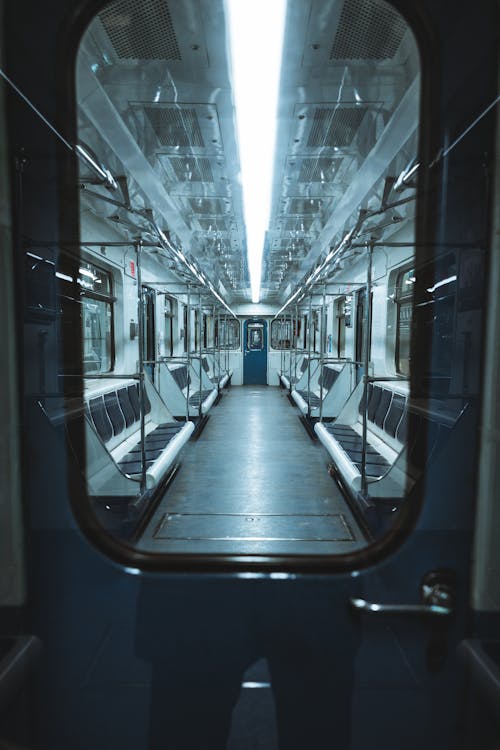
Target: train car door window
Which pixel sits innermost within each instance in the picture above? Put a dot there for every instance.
(361, 325)
(255, 337)
(205, 331)
(341, 325)
(185, 330)
(169, 327)
(149, 298)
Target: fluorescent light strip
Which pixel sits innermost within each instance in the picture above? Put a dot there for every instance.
(256, 39)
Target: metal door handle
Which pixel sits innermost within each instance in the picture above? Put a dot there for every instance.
(425, 610)
(437, 592)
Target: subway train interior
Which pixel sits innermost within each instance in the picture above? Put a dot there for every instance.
(250, 375)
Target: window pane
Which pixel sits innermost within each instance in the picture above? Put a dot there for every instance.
(281, 334)
(96, 321)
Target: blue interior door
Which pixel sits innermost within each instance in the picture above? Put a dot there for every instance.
(255, 352)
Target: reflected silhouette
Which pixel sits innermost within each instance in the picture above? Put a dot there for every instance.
(201, 637)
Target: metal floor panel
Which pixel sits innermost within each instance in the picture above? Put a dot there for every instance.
(256, 527)
(253, 483)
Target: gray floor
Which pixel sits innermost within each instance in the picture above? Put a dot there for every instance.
(253, 482)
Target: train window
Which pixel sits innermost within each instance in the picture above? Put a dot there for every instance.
(227, 334)
(169, 327)
(186, 329)
(361, 316)
(164, 203)
(196, 330)
(205, 331)
(281, 334)
(97, 318)
(340, 316)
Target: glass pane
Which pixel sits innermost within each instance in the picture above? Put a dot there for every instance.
(96, 322)
(281, 334)
(346, 148)
(255, 337)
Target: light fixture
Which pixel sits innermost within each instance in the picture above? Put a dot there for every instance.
(255, 79)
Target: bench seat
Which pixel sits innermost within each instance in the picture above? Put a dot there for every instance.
(113, 415)
(393, 461)
(329, 388)
(217, 376)
(287, 380)
(182, 391)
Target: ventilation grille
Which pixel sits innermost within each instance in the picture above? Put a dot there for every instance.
(302, 225)
(318, 170)
(295, 248)
(175, 126)
(141, 30)
(303, 206)
(191, 169)
(335, 127)
(207, 206)
(367, 30)
(212, 225)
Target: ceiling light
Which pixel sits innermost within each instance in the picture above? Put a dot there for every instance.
(255, 80)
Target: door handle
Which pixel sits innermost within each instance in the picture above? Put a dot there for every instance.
(436, 592)
(422, 610)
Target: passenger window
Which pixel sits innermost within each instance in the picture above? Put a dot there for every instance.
(169, 327)
(281, 334)
(93, 292)
(227, 334)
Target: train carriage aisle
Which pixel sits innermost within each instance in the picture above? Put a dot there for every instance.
(253, 483)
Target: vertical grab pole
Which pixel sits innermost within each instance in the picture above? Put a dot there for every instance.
(187, 340)
(280, 342)
(226, 350)
(218, 338)
(142, 400)
(200, 332)
(366, 363)
(296, 346)
(309, 362)
(322, 341)
(213, 343)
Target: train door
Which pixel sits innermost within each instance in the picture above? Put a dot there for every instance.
(255, 352)
(149, 338)
(380, 631)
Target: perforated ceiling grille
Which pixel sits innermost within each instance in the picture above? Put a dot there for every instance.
(192, 169)
(367, 30)
(318, 170)
(335, 127)
(293, 248)
(141, 30)
(212, 225)
(297, 225)
(175, 126)
(207, 206)
(303, 206)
